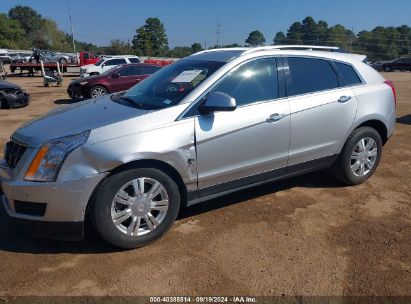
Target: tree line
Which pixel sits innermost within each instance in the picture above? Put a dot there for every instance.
(24, 28)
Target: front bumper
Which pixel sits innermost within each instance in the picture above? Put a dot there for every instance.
(64, 201)
(16, 100)
(66, 231)
(75, 92)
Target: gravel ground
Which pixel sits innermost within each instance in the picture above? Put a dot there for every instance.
(308, 235)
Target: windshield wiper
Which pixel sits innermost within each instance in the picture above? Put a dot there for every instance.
(137, 104)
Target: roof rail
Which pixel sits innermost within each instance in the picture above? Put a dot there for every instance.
(222, 49)
(293, 47)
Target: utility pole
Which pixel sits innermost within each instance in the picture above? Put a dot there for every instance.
(351, 39)
(218, 31)
(71, 23)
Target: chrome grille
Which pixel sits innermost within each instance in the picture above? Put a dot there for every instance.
(13, 153)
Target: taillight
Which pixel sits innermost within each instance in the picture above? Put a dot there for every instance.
(391, 85)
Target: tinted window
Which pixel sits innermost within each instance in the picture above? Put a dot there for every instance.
(85, 56)
(130, 71)
(349, 74)
(134, 60)
(311, 75)
(150, 69)
(254, 81)
(115, 62)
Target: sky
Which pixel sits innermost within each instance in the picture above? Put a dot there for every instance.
(186, 22)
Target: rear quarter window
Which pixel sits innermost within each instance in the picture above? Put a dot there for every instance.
(134, 60)
(350, 75)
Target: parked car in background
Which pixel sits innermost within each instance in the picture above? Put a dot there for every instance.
(19, 57)
(4, 56)
(119, 78)
(46, 55)
(12, 96)
(400, 64)
(87, 58)
(213, 123)
(105, 64)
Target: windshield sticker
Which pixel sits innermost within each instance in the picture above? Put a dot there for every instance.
(187, 76)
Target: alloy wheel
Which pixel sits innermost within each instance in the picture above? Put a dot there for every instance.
(364, 156)
(140, 206)
(98, 92)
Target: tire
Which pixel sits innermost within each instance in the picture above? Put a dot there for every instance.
(348, 167)
(3, 103)
(97, 91)
(63, 61)
(109, 207)
(387, 69)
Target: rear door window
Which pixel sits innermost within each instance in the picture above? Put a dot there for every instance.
(309, 75)
(134, 60)
(130, 71)
(115, 62)
(350, 75)
(147, 70)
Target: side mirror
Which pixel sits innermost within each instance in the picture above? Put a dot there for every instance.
(218, 102)
(115, 75)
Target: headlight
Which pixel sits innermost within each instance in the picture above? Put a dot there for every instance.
(48, 161)
(83, 82)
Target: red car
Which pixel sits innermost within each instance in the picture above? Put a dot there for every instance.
(117, 79)
(87, 58)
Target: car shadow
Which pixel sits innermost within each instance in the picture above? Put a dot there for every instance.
(14, 238)
(405, 120)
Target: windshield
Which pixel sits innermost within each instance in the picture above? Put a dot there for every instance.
(109, 71)
(99, 62)
(170, 85)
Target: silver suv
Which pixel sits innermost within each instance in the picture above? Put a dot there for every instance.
(210, 124)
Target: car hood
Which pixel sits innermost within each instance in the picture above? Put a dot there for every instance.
(82, 79)
(74, 119)
(8, 85)
(87, 66)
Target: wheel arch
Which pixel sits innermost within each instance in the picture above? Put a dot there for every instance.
(379, 126)
(144, 163)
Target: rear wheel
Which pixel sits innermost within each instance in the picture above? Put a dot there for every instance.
(360, 156)
(98, 91)
(135, 207)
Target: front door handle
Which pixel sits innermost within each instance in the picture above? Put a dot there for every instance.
(275, 117)
(344, 99)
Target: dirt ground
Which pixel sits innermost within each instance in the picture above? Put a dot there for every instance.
(308, 235)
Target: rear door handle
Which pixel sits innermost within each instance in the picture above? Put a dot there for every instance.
(275, 117)
(344, 99)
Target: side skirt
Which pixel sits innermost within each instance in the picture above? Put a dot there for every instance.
(198, 196)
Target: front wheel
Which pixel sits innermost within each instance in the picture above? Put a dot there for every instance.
(98, 91)
(387, 69)
(360, 156)
(135, 207)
